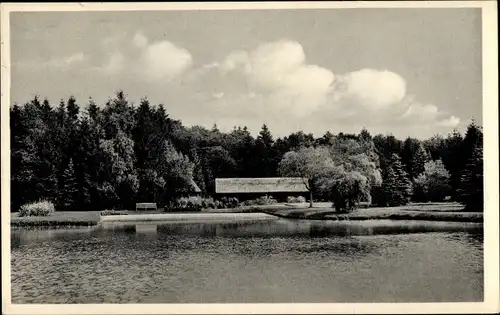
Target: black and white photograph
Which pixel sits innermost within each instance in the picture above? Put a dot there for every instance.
(249, 153)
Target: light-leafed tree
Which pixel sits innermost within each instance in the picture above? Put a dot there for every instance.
(310, 164)
(433, 184)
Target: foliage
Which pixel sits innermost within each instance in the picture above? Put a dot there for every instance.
(311, 164)
(67, 188)
(293, 199)
(40, 208)
(227, 203)
(348, 189)
(433, 184)
(471, 190)
(355, 173)
(261, 201)
(193, 203)
(396, 185)
(111, 155)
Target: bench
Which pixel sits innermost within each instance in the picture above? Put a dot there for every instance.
(145, 206)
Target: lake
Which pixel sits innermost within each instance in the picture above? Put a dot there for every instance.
(249, 262)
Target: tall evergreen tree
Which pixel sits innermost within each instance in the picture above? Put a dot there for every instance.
(265, 154)
(451, 152)
(418, 162)
(68, 192)
(470, 193)
(396, 185)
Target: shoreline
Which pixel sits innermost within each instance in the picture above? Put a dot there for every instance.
(475, 217)
(425, 212)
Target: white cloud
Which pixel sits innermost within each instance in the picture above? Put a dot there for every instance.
(153, 61)
(372, 88)
(277, 85)
(280, 71)
(449, 122)
(237, 60)
(140, 40)
(422, 111)
(164, 60)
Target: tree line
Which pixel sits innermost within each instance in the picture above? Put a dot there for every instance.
(118, 153)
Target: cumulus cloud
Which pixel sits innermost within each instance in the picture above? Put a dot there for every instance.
(276, 82)
(421, 111)
(153, 61)
(372, 88)
(280, 71)
(164, 60)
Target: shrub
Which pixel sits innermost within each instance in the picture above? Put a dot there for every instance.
(192, 203)
(293, 199)
(261, 201)
(40, 208)
(301, 199)
(208, 203)
(228, 203)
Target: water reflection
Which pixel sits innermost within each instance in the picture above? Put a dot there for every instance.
(294, 228)
(250, 229)
(249, 262)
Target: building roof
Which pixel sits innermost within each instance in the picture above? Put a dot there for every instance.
(259, 185)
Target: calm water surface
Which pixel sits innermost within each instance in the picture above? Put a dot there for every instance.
(250, 262)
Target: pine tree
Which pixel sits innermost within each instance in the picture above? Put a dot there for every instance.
(364, 135)
(265, 154)
(471, 191)
(420, 158)
(17, 139)
(451, 152)
(397, 188)
(93, 110)
(68, 191)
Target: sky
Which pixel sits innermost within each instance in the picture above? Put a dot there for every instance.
(409, 72)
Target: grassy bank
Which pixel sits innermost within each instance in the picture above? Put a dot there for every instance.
(322, 211)
(62, 218)
(429, 212)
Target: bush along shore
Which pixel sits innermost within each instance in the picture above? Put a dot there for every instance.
(57, 219)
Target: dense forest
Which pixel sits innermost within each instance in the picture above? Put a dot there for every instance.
(107, 156)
